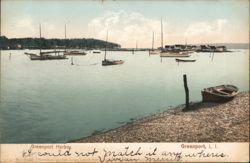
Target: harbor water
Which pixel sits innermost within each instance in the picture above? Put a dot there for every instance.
(54, 102)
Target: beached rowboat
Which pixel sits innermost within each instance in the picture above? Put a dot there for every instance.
(221, 93)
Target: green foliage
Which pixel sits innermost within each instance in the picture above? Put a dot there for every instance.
(4, 42)
(35, 43)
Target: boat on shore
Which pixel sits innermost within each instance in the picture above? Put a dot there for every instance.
(221, 93)
(185, 60)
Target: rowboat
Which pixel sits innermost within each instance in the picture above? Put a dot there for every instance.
(221, 93)
(185, 60)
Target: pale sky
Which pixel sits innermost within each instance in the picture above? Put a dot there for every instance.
(194, 21)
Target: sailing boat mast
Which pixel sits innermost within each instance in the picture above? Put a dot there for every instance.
(153, 42)
(106, 45)
(40, 33)
(65, 37)
(161, 35)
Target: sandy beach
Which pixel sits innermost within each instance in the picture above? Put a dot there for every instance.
(203, 122)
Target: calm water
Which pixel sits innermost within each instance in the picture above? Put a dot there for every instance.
(52, 101)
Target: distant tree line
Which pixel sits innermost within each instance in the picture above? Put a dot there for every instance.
(36, 43)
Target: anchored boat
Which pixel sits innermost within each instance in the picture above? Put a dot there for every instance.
(175, 54)
(153, 51)
(221, 93)
(45, 55)
(74, 52)
(71, 52)
(109, 62)
(96, 51)
(172, 53)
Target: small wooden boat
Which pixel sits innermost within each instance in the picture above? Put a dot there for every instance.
(221, 93)
(112, 62)
(185, 60)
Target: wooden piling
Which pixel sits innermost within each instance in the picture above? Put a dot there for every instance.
(72, 63)
(186, 90)
(213, 56)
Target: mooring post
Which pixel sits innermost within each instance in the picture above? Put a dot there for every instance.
(186, 90)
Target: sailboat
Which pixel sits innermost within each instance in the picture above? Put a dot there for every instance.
(152, 51)
(45, 55)
(72, 52)
(171, 53)
(109, 62)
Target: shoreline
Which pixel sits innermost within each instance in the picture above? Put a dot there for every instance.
(203, 122)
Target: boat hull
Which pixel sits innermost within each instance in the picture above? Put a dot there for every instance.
(48, 57)
(154, 52)
(185, 60)
(173, 54)
(74, 53)
(222, 93)
(114, 62)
